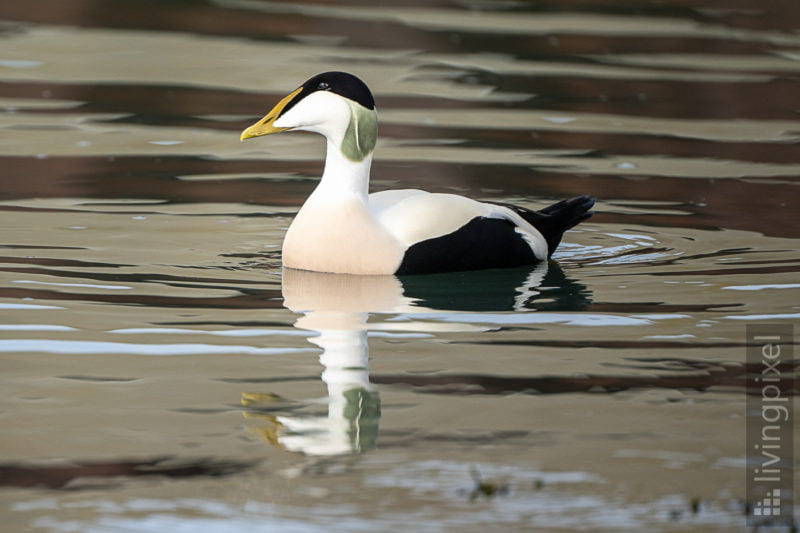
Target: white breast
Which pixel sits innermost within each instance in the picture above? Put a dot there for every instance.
(340, 237)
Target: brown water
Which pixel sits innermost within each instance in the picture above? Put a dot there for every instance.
(161, 373)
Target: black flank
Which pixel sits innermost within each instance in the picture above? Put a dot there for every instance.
(481, 243)
(494, 243)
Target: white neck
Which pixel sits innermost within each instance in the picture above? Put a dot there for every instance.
(342, 177)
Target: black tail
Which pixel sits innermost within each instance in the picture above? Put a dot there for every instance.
(554, 220)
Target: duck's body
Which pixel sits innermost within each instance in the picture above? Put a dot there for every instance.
(343, 229)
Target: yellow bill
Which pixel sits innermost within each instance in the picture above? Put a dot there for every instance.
(264, 126)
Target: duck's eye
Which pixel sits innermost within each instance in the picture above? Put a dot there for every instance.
(323, 86)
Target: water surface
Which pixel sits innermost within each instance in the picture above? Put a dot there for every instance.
(161, 372)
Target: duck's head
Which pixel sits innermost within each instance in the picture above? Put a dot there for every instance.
(337, 105)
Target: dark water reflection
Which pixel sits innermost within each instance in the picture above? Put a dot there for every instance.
(156, 356)
(543, 288)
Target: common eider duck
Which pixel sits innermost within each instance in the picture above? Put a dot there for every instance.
(341, 228)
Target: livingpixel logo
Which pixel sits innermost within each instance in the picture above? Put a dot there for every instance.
(770, 425)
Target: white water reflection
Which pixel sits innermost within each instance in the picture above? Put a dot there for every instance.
(68, 347)
(25, 307)
(762, 287)
(775, 316)
(248, 332)
(79, 285)
(35, 327)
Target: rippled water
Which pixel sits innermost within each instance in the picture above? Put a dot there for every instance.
(160, 372)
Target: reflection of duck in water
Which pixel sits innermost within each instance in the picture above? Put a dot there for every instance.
(341, 228)
(543, 287)
(337, 307)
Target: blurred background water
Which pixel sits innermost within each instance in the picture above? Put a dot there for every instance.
(160, 371)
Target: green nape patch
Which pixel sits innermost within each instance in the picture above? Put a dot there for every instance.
(362, 133)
